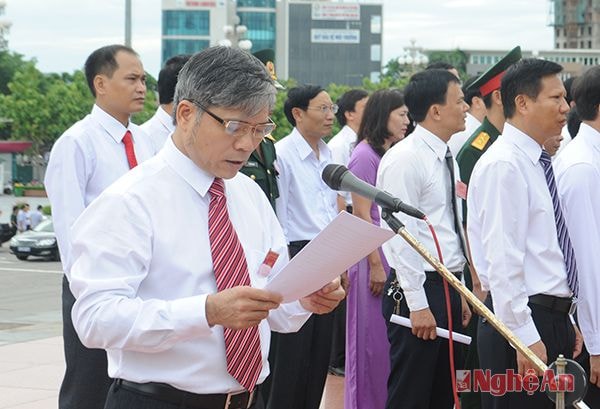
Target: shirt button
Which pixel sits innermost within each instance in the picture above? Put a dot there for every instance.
(269, 171)
(253, 177)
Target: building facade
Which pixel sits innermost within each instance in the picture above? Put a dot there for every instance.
(323, 42)
(576, 23)
(574, 61)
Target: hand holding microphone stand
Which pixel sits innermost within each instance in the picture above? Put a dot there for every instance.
(338, 177)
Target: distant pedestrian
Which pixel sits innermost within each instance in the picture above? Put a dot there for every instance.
(23, 222)
(36, 216)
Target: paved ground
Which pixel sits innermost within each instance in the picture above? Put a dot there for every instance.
(31, 357)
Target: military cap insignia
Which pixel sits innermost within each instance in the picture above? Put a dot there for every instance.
(481, 140)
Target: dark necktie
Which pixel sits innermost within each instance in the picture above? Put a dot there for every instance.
(242, 347)
(564, 240)
(128, 142)
(457, 224)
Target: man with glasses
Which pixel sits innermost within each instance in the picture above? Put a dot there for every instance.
(304, 207)
(166, 262)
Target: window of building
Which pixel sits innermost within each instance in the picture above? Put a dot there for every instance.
(590, 30)
(589, 44)
(256, 3)
(375, 76)
(172, 47)
(188, 22)
(375, 52)
(581, 44)
(557, 45)
(376, 24)
(261, 28)
(565, 45)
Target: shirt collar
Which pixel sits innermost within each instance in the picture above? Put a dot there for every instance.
(589, 135)
(165, 118)
(304, 149)
(523, 142)
(438, 146)
(197, 178)
(114, 128)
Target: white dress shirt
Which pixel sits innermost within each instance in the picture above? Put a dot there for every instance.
(158, 128)
(415, 171)
(341, 146)
(512, 231)
(305, 204)
(577, 172)
(84, 161)
(563, 144)
(457, 140)
(142, 270)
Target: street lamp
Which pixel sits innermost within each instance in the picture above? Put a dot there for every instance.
(235, 35)
(413, 56)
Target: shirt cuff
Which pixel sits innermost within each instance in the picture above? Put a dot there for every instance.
(189, 316)
(416, 299)
(528, 333)
(592, 343)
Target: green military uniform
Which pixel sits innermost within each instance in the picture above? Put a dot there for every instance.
(476, 145)
(262, 169)
(261, 164)
(467, 157)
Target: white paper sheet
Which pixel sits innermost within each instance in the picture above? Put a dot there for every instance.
(345, 241)
(441, 332)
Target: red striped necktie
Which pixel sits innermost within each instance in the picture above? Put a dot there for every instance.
(128, 142)
(242, 347)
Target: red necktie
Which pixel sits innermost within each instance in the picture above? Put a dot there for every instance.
(128, 142)
(242, 347)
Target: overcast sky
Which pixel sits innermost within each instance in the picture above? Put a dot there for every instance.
(60, 34)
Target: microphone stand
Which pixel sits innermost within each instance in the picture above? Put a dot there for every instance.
(399, 228)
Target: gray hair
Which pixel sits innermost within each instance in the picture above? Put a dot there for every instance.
(226, 77)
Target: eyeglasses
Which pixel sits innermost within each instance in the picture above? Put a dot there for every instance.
(326, 108)
(237, 129)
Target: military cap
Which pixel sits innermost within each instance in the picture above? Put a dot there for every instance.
(490, 80)
(267, 57)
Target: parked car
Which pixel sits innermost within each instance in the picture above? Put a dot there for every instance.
(39, 242)
(6, 232)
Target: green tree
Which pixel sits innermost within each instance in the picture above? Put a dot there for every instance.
(10, 63)
(457, 58)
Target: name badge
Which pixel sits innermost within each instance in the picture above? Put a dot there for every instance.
(268, 263)
(461, 190)
(251, 164)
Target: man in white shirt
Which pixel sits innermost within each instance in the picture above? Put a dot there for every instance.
(349, 115)
(421, 171)
(160, 126)
(84, 161)
(578, 181)
(477, 111)
(304, 207)
(514, 225)
(171, 288)
(36, 216)
(23, 220)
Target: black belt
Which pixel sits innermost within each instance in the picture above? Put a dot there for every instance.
(349, 208)
(558, 304)
(167, 393)
(434, 275)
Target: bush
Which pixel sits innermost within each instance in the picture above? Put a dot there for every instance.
(47, 210)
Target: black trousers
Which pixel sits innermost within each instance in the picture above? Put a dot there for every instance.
(420, 370)
(470, 400)
(86, 381)
(121, 398)
(299, 361)
(338, 343)
(496, 354)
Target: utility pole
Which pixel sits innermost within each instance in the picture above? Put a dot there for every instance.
(128, 23)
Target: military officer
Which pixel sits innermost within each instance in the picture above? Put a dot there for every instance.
(261, 164)
(483, 137)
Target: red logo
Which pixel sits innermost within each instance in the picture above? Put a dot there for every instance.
(484, 381)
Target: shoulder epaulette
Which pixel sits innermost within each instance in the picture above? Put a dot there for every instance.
(480, 140)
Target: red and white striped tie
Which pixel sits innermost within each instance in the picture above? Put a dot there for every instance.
(128, 142)
(242, 347)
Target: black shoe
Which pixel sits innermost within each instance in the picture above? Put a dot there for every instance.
(337, 371)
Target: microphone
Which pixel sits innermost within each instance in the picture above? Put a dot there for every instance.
(338, 177)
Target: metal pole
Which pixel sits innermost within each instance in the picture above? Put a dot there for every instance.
(470, 297)
(128, 23)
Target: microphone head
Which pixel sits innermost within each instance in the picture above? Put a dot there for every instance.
(332, 175)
